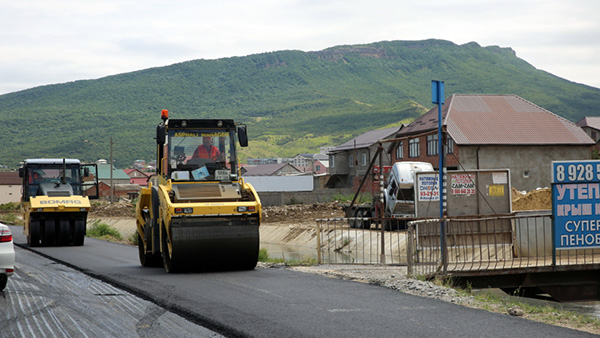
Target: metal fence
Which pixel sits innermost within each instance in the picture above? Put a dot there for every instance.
(474, 244)
(483, 244)
(340, 241)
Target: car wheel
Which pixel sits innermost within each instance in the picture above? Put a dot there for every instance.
(3, 281)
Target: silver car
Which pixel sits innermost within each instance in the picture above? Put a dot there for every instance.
(7, 255)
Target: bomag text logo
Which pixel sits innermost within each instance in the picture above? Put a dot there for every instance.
(61, 202)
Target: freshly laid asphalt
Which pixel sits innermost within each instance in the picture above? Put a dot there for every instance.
(274, 302)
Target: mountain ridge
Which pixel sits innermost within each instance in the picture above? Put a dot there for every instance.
(292, 101)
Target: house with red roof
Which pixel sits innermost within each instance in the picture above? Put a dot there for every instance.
(494, 132)
(137, 176)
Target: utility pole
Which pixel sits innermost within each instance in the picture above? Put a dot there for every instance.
(112, 189)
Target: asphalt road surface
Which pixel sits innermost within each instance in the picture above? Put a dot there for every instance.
(48, 299)
(281, 303)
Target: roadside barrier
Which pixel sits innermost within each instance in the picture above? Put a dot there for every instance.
(522, 242)
(469, 244)
(341, 241)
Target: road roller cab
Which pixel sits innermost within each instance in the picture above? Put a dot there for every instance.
(55, 200)
(197, 212)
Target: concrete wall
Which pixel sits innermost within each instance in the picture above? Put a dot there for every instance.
(10, 193)
(281, 183)
(304, 197)
(529, 165)
(472, 192)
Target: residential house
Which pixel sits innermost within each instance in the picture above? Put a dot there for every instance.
(278, 169)
(348, 163)
(315, 164)
(261, 161)
(301, 160)
(120, 181)
(591, 126)
(118, 175)
(137, 176)
(10, 187)
(128, 191)
(494, 132)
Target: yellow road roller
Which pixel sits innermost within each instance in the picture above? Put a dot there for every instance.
(197, 213)
(56, 200)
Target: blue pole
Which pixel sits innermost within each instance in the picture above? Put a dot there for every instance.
(437, 97)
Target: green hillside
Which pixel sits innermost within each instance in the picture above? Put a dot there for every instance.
(292, 101)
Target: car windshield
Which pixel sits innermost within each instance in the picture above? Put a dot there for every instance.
(201, 155)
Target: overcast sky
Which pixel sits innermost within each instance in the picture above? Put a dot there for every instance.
(47, 42)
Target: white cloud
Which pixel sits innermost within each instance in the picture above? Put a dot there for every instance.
(68, 40)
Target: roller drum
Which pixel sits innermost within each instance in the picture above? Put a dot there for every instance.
(215, 243)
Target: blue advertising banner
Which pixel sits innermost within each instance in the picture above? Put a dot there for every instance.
(576, 204)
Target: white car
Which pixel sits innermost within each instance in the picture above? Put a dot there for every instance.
(7, 255)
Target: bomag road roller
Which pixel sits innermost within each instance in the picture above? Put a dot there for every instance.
(54, 200)
(197, 213)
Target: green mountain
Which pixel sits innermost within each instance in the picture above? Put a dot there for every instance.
(292, 101)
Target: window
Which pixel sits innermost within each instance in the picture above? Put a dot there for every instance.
(413, 147)
(400, 150)
(594, 136)
(432, 145)
(351, 161)
(364, 159)
(449, 146)
(332, 161)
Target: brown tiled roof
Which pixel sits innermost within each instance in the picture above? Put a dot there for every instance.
(266, 169)
(590, 121)
(499, 119)
(10, 178)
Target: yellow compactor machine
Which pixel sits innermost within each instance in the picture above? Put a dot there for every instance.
(197, 212)
(56, 200)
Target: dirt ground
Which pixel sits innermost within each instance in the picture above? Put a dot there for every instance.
(296, 213)
(307, 213)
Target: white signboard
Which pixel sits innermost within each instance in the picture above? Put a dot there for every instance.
(428, 187)
(462, 184)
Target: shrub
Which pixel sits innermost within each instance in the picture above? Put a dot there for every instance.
(103, 231)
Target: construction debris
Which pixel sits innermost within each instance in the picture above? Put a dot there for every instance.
(540, 199)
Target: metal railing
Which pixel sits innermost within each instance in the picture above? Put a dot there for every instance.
(493, 243)
(341, 241)
(474, 244)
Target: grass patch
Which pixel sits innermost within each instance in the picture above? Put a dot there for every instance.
(10, 206)
(133, 238)
(10, 213)
(347, 198)
(550, 313)
(11, 218)
(103, 231)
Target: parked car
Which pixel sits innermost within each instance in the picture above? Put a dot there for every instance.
(7, 255)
